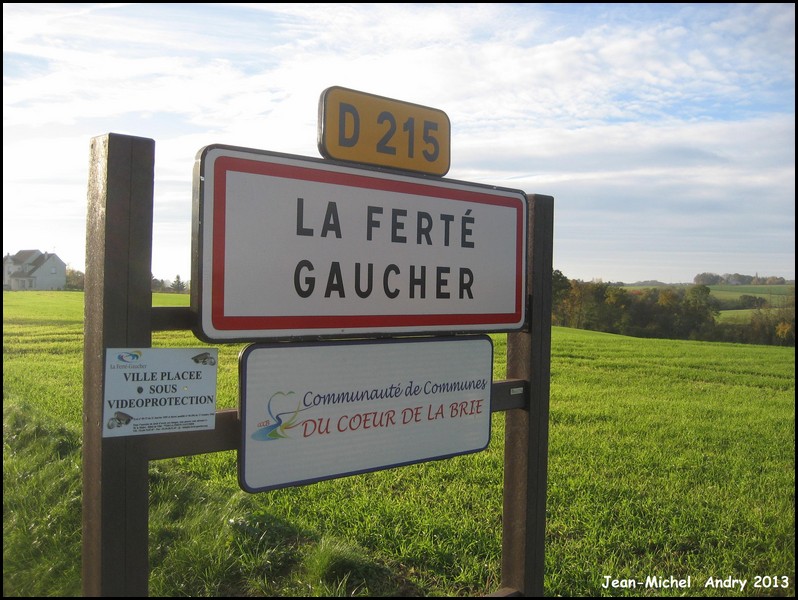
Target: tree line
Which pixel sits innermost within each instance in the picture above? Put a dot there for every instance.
(736, 279)
(178, 286)
(689, 312)
(75, 280)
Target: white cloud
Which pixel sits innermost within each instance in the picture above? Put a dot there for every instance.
(678, 115)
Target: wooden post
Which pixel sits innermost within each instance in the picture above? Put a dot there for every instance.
(119, 314)
(527, 431)
(118, 304)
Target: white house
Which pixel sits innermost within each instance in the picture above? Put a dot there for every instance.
(33, 270)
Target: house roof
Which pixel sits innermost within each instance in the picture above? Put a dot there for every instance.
(25, 256)
(38, 262)
(33, 259)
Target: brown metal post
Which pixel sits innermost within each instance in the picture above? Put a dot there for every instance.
(527, 431)
(118, 304)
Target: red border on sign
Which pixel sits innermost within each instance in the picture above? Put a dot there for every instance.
(221, 322)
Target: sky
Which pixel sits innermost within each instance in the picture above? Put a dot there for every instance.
(664, 132)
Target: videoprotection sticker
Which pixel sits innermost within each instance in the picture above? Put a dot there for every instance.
(159, 390)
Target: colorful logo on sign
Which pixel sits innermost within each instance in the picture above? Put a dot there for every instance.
(277, 425)
(129, 357)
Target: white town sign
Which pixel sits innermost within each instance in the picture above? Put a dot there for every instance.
(288, 247)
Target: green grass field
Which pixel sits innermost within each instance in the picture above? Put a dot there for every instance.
(775, 295)
(771, 293)
(739, 317)
(666, 459)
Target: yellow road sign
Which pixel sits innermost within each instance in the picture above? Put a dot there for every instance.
(374, 130)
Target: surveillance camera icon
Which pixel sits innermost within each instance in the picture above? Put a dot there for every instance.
(204, 359)
(119, 419)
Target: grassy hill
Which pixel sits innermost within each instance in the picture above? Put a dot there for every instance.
(732, 292)
(666, 458)
(772, 293)
(776, 296)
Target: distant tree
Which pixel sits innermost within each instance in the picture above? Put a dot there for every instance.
(738, 279)
(762, 327)
(178, 285)
(600, 316)
(560, 286)
(748, 301)
(574, 304)
(669, 298)
(707, 279)
(75, 280)
(674, 312)
(617, 302)
(157, 285)
(785, 332)
(697, 313)
(782, 319)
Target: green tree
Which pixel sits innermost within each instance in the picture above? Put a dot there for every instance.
(775, 325)
(599, 315)
(617, 302)
(74, 279)
(748, 301)
(560, 286)
(574, 304)
(178, 285)
(707, 279)
(697, 315)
